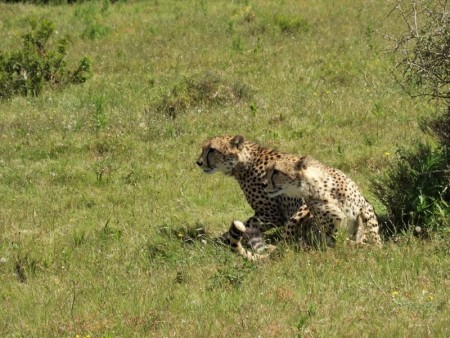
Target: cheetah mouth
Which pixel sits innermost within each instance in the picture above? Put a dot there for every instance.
(209, 170)
(274, 192)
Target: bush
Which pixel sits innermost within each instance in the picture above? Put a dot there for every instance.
(24, 72)
(416, 187)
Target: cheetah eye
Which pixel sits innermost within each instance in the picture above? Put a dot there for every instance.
(210, 151)
(274, 172)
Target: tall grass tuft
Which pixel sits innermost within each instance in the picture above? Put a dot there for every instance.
(204, 89)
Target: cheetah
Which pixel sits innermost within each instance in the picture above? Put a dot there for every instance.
(247, 162)
(332, 197)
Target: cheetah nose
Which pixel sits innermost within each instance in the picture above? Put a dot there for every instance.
(199, 163)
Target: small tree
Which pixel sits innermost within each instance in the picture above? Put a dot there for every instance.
(416, 187)
(422, 53)
(25, 71)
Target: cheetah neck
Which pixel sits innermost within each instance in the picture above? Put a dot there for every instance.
(246, 159)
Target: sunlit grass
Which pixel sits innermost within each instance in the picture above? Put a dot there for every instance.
(102, 202)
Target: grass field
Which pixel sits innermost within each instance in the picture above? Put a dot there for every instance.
(106, 224)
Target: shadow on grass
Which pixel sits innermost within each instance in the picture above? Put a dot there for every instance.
(389, 230)
(196, 233)
(191, 234)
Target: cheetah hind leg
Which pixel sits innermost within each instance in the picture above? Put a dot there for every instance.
(370, 227)
(300, 223)
(329, 218)
(359, 238)
(236, 233)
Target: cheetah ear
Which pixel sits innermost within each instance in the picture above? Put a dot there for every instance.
(302, 163)
(238, 141)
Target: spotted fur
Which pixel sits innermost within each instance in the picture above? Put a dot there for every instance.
(332, 197)
(247, 162)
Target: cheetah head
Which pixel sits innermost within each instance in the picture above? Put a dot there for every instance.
(284, 177)
(221, 154)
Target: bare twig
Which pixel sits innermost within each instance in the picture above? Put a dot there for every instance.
(376, 284)
(422, 54)
(415, 19)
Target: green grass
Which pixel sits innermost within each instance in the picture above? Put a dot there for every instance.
(101, 199)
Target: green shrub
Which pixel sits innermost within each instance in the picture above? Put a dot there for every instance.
(416, 189)
(25, 71)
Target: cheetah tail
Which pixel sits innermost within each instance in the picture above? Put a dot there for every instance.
(236, 232)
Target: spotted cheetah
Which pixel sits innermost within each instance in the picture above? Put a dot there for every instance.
(247, 162)
(332, 197)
